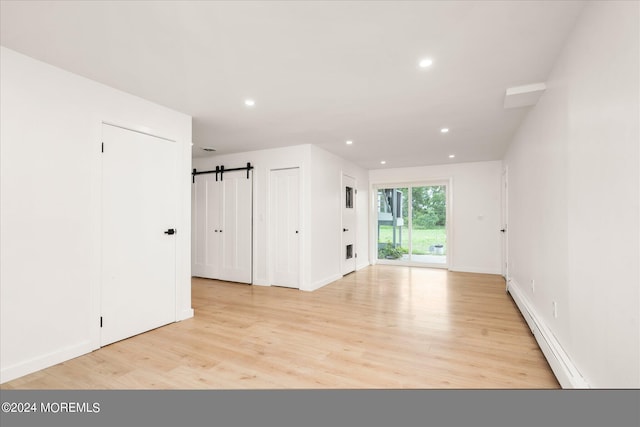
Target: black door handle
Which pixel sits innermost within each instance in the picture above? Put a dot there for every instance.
(504, 230)
(170, 231)
(345, 229)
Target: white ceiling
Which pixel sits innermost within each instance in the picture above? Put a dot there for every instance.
(321, 72)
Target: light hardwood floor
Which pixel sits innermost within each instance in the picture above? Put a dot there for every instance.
(381, 327)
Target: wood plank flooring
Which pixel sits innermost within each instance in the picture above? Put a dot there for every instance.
(382, 327)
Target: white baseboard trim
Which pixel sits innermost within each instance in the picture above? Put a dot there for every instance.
(185, 314)
(361, 266)
(260, 283)
(563, 367)
(41, 362)
(323, 282)
(467, 269)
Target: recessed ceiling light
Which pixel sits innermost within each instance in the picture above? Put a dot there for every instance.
(444, 130)
(425, 63)
(249, 102)
(451, 156)
(383, 162)
(349, 142)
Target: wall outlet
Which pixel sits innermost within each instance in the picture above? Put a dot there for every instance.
(533, 286)
(555, 309)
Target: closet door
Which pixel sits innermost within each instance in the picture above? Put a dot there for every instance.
(285, 227)
(213, 220)
(236, 227)
(222, 233)
(206, 227)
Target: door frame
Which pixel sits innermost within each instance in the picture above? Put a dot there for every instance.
(183, 308)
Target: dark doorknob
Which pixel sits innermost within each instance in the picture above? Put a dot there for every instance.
(170, 231)
(504, 230)
(345, 229)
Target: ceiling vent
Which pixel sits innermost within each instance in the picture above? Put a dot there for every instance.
(523, 96)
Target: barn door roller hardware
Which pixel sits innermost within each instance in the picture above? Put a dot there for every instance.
(221, 170)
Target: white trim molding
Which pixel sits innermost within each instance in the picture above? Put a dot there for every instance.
(185, 313)
(471, 269)
(365, 264)
(563, 367)
(45, 361)
(323, 282)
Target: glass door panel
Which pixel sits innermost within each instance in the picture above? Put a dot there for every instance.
(393, 232)
(429, 224)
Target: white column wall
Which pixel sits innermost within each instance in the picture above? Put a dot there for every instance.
(326, 216)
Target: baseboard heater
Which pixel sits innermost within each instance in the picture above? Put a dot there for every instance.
(564, 369)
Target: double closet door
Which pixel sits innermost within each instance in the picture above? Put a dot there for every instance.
(222, 226)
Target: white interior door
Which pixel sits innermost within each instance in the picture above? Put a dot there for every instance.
(139, 208)
(348, 249)
(212, 218)
(505, 225)
(222, 233)
(284, 230)
(206, 244)
(235, 231)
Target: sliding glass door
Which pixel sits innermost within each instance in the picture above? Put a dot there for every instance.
(429, 224)
(412, 224)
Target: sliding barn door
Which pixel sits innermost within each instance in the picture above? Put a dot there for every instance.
(235, 228)
(222, 230)
(139, 216)
(206, 227)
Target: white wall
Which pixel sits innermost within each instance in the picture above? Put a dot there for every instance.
(50, 122)
(475, 241)
(573, 202)
(320, 175)
(326, 215)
